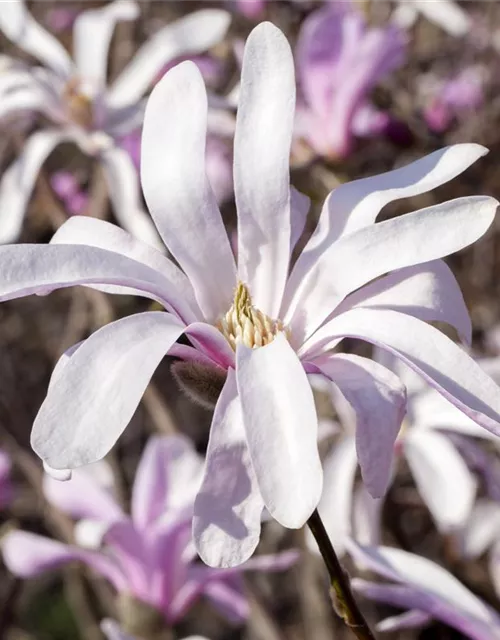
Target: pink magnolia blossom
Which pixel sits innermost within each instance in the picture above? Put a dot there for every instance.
(148, 555)
(72, 95)
(258, 327)
(425, 591)
(339, 61)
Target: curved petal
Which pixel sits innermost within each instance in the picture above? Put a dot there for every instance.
(443, 364)
(367, 517)
(335, 506)
(228, 507)
(31, 268)
(443, 480)
(18, 181)
(364, 255)
(81, 230)
(92, 34)
(264, 126)
(281, 428)
(19, 26)
(30, 98)
(105, 379)
(123, 184)
(412, 619)
(167, 478)
(482, 528)
(228, 600)
(177, 190)
(356, 204)
(446, 14)
(428, 291)
(379, 399)
(191, 34)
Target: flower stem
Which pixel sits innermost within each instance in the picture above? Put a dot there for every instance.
(340, 589)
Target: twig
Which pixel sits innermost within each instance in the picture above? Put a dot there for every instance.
(340, 590)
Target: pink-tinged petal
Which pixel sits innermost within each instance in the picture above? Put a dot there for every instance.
(105, 378)
(413, 619)
(262, 141)
(61, 475)
(41, 269)
(424, 576)
(364, 255)
(379, 399)
(281, 428)
(113, 631)
(335, 506)
(103, 235)
(428, 291)
(229, 601)
(211, 342)
(19, 26)
(123, 184)
(18, 180)
(27, 555)
(443, 364)
(443, 480)
(31, 98)
(177, 191)
(482, 528)
(299, 208)
(228, 507)
(92, 34)
(82, 496)
(367, 517)
(356, 204)
(127, 548)
(167, 478)
(271, 562)
(191, 34)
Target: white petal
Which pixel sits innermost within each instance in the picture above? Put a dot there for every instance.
(98, 233)
(123, 184)
(192, 34)
(18, 180)
(19, 26)
(92, 34)
(355, 205)
(177, 191)
(105, 378)
(443, 364)
(443, 479)
(335, 507)
(413, 619)
(482, 528)
(366, 254)
(264, 127)
(446, 14)
(228, 507)
(281, 428)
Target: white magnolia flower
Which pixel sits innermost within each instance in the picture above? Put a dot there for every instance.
(73, 95)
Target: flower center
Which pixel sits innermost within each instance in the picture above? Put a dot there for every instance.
(78, 104)
(244, 324)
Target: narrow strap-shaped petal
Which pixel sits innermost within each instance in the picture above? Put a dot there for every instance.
(412, 619)
(168, 477)
(446, 14)
(81, 230)
(482, 528)
(32, 268)
(19, 26)
(281, 428)
(427, 291)
(16, 184)
(443, 480)
(228, 507)
(362, 256)
(379, 399)
(92, 34)
(335, 506)
(123, 185)
(443, 364)
(177, 191)
(191, 34)
(106, 378)
(228, 600)
(263, 136)
(355, 205)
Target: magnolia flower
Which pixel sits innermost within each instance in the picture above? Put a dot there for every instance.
(339, 61)
(438, 467)
(147, 556)
(256, 330)
(446, 14)
(425, 590)
(74, 97)
(112, 631)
